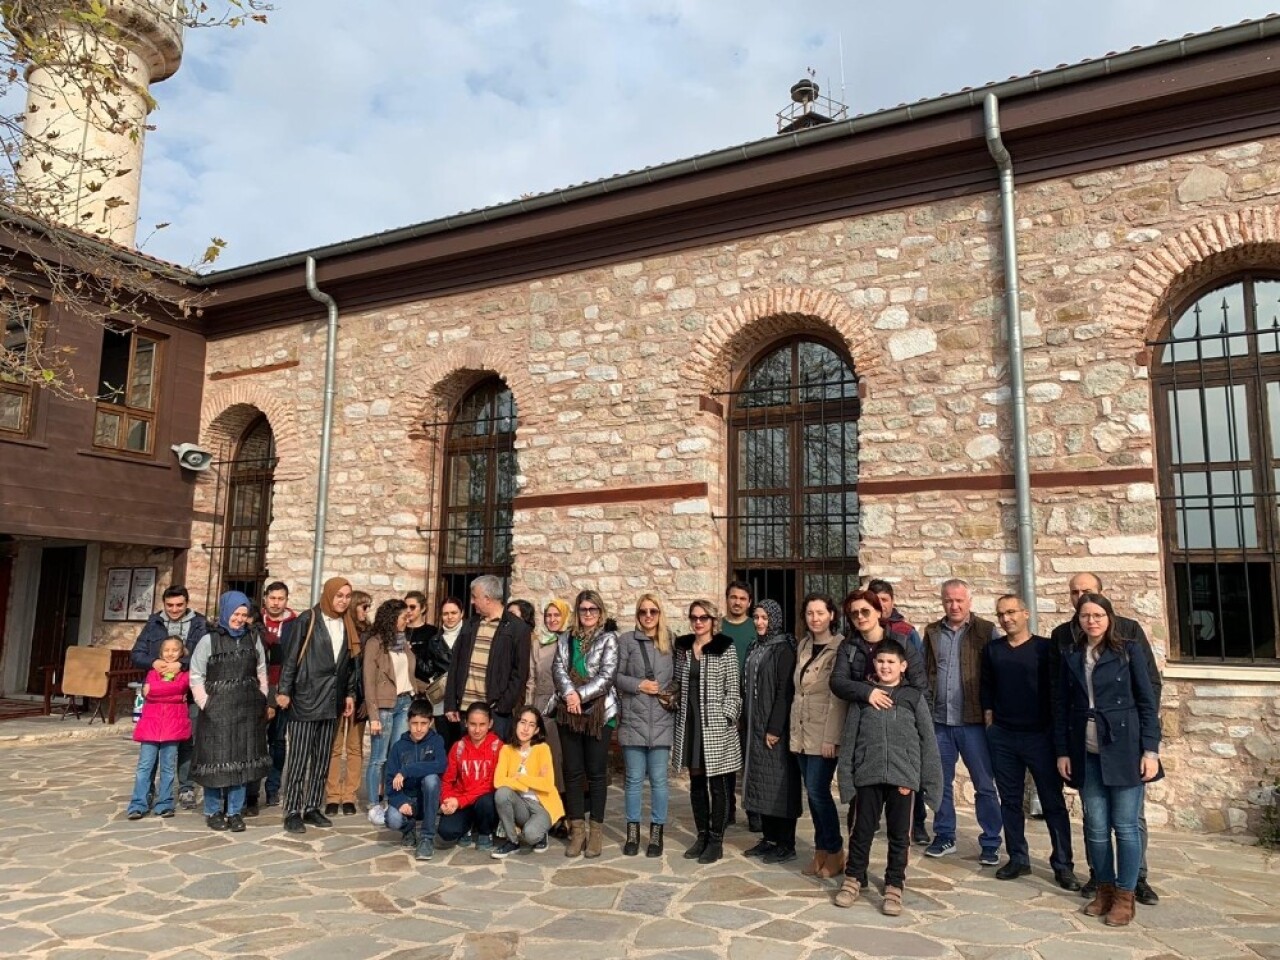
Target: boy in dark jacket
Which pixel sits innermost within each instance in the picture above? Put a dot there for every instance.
(414, 767)
(886, 758)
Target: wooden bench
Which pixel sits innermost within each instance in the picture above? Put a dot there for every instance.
(96, 674)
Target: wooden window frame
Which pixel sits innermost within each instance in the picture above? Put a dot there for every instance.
(24, 389)
(126, 412)
(263, 477)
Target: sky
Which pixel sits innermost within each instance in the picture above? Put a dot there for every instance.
(338, 119)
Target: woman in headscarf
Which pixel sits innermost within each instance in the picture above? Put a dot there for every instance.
(541, 689)
(229, 684)
(770, 775)
(317, 685)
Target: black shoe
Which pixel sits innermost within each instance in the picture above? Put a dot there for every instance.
(409, 838)
(235, 823)
(699, 845)
(251, 809)
(1012, 870)
(1090, 888)
(632, 846)
(348, 809)
(330, 809)
(216, 822)
(654, 849)
(780, 854)
(293, 824)
(753, 822)
(1143, 893)
(921, 837)
(273, 799)
(761, 849)
(316, 819)
(713, 851)
(1066, 879)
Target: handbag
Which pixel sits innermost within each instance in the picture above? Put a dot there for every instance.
(435, 689)
(668, 699)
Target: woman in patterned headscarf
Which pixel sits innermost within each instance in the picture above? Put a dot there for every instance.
(770, 776)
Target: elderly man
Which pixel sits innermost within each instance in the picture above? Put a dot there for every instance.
(953, 662)
(1064, 638)
(490, 660)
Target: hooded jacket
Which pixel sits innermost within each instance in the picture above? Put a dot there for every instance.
(414, 760)
(895, 746)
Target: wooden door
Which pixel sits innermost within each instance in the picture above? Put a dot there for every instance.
(6, 581)
(57, 610)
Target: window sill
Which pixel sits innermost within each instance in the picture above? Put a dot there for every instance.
(123, 458)
(1182, 670)
(23, 441)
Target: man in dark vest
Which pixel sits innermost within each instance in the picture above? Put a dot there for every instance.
(953, 663)
(1064, 637)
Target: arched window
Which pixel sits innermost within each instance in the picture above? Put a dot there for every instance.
(793, 443)
(1217, 399)
(248, 516)
(479, 485)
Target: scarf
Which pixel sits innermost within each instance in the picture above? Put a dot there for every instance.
(549, 637)
(327, 593)
(399, 643)
(229, 603)
(591, 720)
(774, 611)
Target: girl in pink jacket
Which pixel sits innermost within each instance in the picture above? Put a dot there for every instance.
(163, 726)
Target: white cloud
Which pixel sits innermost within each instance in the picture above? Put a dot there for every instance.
(337, 119)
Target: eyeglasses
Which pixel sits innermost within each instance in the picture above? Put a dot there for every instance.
(699, 618)
(588, 611)
(861, 613)
(1093, 616)
(646, 612)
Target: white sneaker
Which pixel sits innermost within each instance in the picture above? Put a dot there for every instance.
(378, 815)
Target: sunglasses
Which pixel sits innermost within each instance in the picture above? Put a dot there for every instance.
(861, 613)
(699, 618)
(588, 611)
(646, 612)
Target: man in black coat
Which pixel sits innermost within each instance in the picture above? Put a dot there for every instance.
(490, 660)
(1065, 638)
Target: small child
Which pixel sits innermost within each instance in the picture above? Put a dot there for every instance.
(414, 767)
(889, 755)
(164, 724)
(525, 782)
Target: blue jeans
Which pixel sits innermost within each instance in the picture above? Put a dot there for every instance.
(817, 771)
(426, 807)
(1013, 753)
(641, 762)
(394, 723)
(213, 797)
(151, 755)
(1110, 810)
(967, 742)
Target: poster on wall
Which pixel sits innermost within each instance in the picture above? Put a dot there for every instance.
(142, 593)
(116, 605)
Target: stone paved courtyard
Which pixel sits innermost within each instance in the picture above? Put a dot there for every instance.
(78, 881)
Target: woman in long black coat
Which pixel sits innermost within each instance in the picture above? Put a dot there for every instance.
(770, 776)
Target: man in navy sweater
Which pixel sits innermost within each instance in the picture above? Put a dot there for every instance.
(1017, 677)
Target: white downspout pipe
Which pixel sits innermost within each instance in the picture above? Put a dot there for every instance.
(326, 428)
(1017, 383)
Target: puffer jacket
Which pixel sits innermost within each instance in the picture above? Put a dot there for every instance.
(602, 671)
(720, 702)
(853, 660)
(164, 712)
(895, 746)
(817, 714)
(645, 723)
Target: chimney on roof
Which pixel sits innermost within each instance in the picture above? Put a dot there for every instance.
(808, 108)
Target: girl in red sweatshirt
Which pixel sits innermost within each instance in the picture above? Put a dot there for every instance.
(466, 795)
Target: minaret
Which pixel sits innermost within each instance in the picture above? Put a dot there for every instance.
(82, 159)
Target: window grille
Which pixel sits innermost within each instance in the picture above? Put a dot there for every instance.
(248, 516)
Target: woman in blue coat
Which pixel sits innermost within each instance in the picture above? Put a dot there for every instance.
(1107, 731)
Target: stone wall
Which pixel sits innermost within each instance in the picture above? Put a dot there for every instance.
(120, 635)
(607, 366)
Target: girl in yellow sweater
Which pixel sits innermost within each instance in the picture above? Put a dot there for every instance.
(525, 782)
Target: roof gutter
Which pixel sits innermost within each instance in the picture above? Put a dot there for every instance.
(326, 427)
(1165, 52)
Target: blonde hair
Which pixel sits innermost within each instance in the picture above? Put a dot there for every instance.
(710, 609)
(662, 632)
(575, 629)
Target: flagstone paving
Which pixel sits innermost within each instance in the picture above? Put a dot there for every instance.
(78, 882)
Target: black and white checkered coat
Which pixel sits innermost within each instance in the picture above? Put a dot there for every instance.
(720, 692)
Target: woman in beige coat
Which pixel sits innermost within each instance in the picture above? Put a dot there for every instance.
(817, 720)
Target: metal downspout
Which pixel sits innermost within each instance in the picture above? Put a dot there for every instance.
(326, 428)
(1017, 383)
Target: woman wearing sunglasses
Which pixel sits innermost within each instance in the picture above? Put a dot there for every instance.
(585, 668)
(645, 674)
(706, 737)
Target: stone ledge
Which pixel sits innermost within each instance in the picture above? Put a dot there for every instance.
(1175, 670)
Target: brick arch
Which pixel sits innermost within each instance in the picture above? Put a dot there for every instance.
(1162, 276)
(451, 373)
(230, 407)
(734, 333)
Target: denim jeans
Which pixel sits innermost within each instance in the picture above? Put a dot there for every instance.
(213, 797)
(969, 743)
(651, 762)
(1013, 753)
(426, 807)
(395, 722)
(151, 755)
(1110, 810)
(817, 771)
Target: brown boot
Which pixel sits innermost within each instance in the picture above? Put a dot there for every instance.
(577, 838)
(848, 893)
(832, 866)
(1122, 910)
(1101, 903)
(892, 905)
(819, 858)
(595, 839)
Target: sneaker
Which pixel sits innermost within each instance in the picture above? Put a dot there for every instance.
(779, 854)
(166, 814)
(921, 837)
(378, 815)
(235, 823)
(541, 846)
(466, 840)
(940, 848)
(426, 849)
(484, 842)
(409, 838)
(187, 798)
(503, 850)
(136, 814)
(216, 821)
(761, 849)
(990, 856)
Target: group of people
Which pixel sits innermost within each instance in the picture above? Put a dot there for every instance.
(500, 724)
